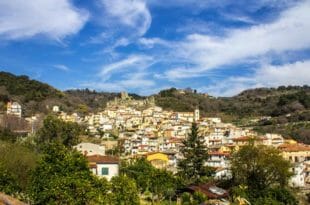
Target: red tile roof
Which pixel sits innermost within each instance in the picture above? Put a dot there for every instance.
(210, 190)
(99, 159)
(294, 147)
(247, 138)
(219, 153)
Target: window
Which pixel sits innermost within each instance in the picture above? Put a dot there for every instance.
(105, 171)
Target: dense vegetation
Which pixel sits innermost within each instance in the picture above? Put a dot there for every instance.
(192, 167)
(288, 106)
(36, 96)
(260, 175)
(30, 90)
(255, 102)
(55, 130)
(57, 174)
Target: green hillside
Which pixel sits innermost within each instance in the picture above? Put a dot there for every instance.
(36, 96)
(255, 102)
(288, 107)
(284, 110)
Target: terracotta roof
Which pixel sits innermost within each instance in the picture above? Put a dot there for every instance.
(99, 159)
(175, 140)
(215, 140)
(210, 190)
(246, 138)
(294, 147)
(219, 153)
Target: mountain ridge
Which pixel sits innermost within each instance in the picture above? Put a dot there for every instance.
(288, 106)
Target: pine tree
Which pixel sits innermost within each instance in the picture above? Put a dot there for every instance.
(192, 168)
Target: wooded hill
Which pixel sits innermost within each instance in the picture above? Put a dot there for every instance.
(36, 96)
(289, 107)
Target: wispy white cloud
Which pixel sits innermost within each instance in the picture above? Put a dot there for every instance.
(250, 5)
(151, 42)
(139, 81)
(136, 62)
(55, 19)
(131, 13)
(130, 73)
(297, 73)
(62, 67)
(289, 32)
(266, 76)
(124, 22)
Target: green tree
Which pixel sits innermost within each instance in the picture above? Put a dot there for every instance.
(8, 184)
(141, 171)
(63, 177)
(260, 167)
(56, 130)
(263, 173)
(18, 161)
(7, 135)
(186, 198)
(124, 191)
(193, 199)
(161, 184)
(192, 168)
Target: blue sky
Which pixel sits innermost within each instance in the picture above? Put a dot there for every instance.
(143, 46)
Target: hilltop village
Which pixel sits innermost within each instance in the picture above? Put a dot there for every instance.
(139, 128)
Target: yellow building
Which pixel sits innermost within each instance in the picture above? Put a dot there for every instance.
(295, 152)
(158, 160)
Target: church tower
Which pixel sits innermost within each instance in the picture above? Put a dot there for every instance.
(196, 115)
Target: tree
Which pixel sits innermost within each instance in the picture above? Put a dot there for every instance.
(124, 191)
(7, 135)
(161, 184)
(8, 184)
(141, 171)
(260, 167)
(63, 177)
(263, 173)
(192, 167)
(193, 199)
(18, 161)
(56, 130)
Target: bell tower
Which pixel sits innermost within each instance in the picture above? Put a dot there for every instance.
(196, 115)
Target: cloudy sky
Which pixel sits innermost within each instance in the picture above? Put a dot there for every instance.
(220, 47)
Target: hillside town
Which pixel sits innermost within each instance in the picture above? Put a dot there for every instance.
(139, 128)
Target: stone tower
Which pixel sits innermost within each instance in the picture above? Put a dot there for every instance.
(196, 115)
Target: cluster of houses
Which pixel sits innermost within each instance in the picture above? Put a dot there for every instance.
(145, 130)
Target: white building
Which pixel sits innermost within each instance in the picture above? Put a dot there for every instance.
(90, 149)
(222, 173)
(274, 140)
(56, 108)
(14, 108)
(298, 178)
(196, 115)
(218, 159)
(104, 166)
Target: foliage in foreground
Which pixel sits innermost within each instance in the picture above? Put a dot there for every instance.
(62, 176)
(160, 184)
(56, 130)
(192, 168)
(16, 164)
(261, 174)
